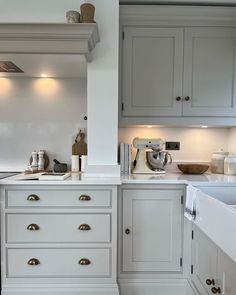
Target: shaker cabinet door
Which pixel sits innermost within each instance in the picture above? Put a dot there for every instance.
(204, 261)
(152, 71)
(152, 230)
(209, 72)
(226, 274)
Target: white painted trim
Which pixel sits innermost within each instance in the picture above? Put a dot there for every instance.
(177, 15)
(53, 38)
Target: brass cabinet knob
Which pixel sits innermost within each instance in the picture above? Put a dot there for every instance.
(178, 98)
(33, 198)
(84, 261)
(215, 290)
(210, 282)
(33, 261)
(187, 98)
(33, 227)
(127, 231)
(84, 227)
(84, 198)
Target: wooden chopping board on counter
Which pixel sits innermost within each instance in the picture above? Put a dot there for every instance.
(80, 147)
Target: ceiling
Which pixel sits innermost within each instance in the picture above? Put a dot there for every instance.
(185, 2)
(55, 66)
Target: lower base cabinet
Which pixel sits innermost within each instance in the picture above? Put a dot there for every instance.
(59, 240)
(213, 272)
(151, 228)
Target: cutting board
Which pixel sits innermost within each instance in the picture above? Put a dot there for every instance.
(80, 147)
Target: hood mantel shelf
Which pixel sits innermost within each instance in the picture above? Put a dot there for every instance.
(49, 38)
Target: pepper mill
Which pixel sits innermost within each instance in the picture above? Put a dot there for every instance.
(41, 161)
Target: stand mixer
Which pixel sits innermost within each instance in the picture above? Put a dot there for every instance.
(151, 156)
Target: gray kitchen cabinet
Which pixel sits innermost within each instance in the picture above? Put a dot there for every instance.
(152, 71)
(178, 72)
(226, 274)
(209, 72)
(204, 262)
(213, 272)
(58, 237)
(152, 230)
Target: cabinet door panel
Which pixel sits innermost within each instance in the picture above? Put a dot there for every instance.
(209, 70)
(152, 71)
(204, 260)
(154, 218)
(226, 274)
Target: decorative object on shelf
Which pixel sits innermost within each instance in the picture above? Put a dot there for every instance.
(73, 16)
(193, 168)
(87, 13)
(59, 167)
(79, 149)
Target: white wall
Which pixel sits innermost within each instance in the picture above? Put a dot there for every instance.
(196, 144)
(102, 73)
(39, 114)
(232, 140)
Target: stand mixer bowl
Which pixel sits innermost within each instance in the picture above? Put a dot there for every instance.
(158, 159)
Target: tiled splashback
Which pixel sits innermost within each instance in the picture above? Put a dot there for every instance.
(196, 144)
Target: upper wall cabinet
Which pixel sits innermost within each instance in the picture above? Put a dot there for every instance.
(209, 72)
(152, 71)
(178, 69)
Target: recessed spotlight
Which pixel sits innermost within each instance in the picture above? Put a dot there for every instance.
(44, 75)
(204, 126)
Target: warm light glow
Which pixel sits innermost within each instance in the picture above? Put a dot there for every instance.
(204, 126)
(5, 87)
(44, 75)
(149, 126)
(46, 88)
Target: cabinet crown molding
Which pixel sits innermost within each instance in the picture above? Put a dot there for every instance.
(169, 15)
(53, 38)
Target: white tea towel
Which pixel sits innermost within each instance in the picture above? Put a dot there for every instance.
(190, 206)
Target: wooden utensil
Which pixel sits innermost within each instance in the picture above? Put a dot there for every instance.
(80, 147)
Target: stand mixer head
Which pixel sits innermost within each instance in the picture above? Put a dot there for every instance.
(151, 157)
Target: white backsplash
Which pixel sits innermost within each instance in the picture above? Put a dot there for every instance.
(39, 114)
(196, 144)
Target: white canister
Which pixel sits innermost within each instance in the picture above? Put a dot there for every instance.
(75, 163)
(83, 163)
(230, 165)
(217, 161)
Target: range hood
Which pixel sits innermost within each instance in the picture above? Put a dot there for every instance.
(52, 38)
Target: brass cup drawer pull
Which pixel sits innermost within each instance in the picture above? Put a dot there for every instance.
(215, 290)
(33, 227)
(33, 198)
(33, 262)
(84, 261)
(84, 227)
(84, 198)
(210, 282)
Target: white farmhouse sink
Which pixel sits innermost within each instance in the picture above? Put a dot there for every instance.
(216, 216)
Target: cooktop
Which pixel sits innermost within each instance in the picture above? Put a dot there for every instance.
(7, 174)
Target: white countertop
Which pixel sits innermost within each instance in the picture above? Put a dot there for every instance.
(179, 178)
(168, 178)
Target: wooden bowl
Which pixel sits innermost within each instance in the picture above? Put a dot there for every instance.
(193, 168)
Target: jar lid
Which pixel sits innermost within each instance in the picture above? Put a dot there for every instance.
(231, 156)
(221, 152)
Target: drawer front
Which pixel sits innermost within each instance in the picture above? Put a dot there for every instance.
(53, 228)
(71, 263)
(58, 198)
